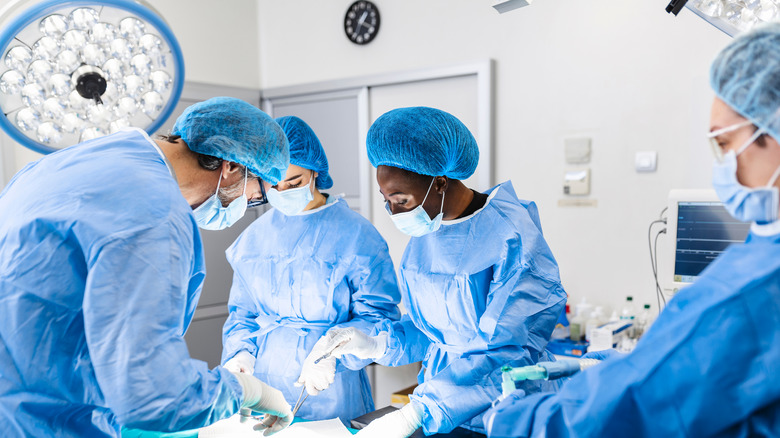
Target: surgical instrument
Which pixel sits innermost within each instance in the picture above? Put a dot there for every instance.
(542, 371)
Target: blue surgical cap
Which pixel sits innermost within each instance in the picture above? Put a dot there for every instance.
(305, 149)
(423, 140)
(231, 129)
(746, 75)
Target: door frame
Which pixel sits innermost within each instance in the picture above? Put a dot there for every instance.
(358, 87)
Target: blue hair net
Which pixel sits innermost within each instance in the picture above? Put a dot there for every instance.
(231, 129)
(423, 140)
(305, 149)
(746, 75)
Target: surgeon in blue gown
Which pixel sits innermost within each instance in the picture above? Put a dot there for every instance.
(708, 365)
(479, 281)
(101, 267)
(309, 264)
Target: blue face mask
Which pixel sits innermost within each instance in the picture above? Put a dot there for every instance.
(291, 201)
(746, 204)
(416, 222)
(211, 215)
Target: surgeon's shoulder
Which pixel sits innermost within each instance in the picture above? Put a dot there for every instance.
(351, 218)
(507, 213)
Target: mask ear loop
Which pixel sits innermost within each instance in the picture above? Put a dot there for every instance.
(441, 208)
(311, 180)
(774, 177)
(759, 132)
(219, 183)
(246, 174)
(428, 192)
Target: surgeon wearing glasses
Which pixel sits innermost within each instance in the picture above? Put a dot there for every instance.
(478, 278)
(707, 366)
(101, 268)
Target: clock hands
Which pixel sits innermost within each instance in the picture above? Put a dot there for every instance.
(361, 21)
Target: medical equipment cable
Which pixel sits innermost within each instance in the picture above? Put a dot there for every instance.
(654, 256)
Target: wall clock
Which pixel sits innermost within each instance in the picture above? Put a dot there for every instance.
(361, 22)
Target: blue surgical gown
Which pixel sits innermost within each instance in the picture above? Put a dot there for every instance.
(481, 292)
(707, 367)
(294, 278)
(101, 266)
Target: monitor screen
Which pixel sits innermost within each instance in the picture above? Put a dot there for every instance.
(704, 230)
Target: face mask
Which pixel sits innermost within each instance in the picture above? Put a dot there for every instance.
(211, 215)
(291, 201)
(746, 204)
(417, 223)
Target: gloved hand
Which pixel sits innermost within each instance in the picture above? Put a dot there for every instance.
(603, 355)
(397, 424)
(263, 398)
(353, 341)
(317, 377)
(242, 362)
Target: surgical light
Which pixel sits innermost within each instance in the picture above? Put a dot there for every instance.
(75, 70)
(730, 16)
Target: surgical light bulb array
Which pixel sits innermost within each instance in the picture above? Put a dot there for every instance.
(82, 72)
(735, 16)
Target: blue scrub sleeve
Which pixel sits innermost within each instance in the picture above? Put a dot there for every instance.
(405, 342)
(135, 304)
(700, 370)
(375, 298)
(522, 309)
(241, 321)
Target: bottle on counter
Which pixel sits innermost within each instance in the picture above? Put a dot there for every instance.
(596, 319)
(628, 314)
(643, 321)
(577, 323)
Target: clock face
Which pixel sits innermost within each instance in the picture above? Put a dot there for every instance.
(361, 23)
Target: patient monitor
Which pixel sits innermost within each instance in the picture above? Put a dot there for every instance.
(699, 230)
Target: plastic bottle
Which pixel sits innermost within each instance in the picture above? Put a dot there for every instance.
(577, 323)
(614, 317)
(596, 319)
(576, 327)
(643, 321)
(628, 314)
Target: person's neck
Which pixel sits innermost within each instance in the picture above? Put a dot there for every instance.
(456, 199)
(193, 180)
(318, 201)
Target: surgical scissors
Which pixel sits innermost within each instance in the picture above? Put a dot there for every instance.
(300, 401)
(246, 413)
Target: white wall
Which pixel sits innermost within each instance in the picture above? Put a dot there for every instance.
(624, 73)
(220, 45)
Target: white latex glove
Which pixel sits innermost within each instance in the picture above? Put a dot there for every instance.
(242, 362)
(353, 341)
(397, 424)
(263, 398)
(317, 377)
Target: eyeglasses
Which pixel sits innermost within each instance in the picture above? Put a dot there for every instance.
(256, 202)
(717, 150)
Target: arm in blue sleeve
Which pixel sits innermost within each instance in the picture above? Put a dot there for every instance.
(135, 304)
(405, 342)
(240, 323)
(522, 309)
(679, 381)
(375, 298)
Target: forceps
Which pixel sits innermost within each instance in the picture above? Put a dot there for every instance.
(246, 413)
(300, 401)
